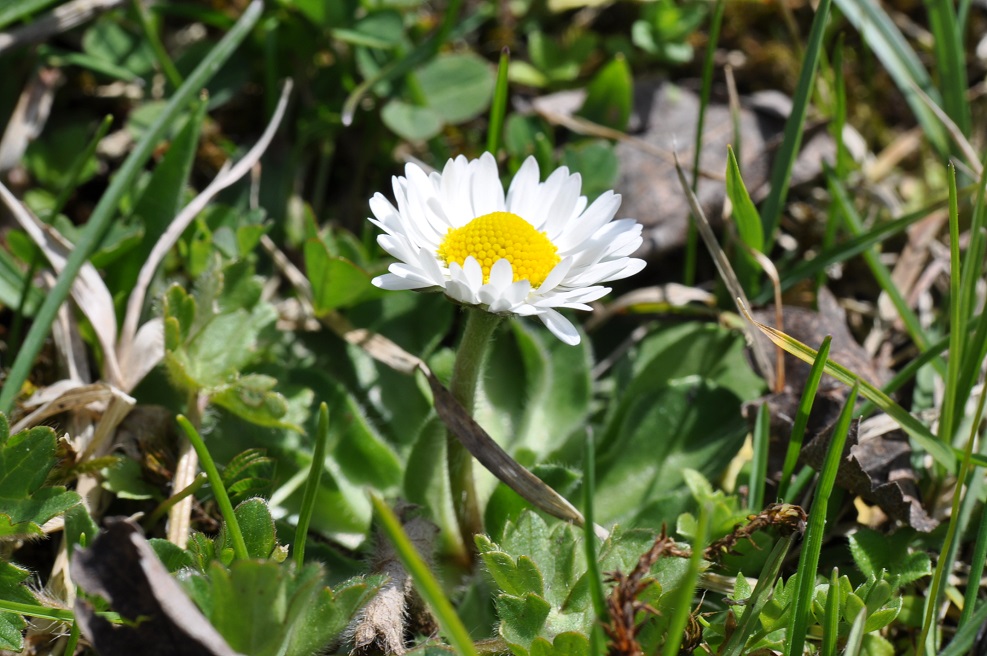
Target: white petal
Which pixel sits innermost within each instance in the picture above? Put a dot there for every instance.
(474, 273)
(633, 266)
(397, 283)
(486, 190)
(525, 182)
(560, 327)
(596, 215)
(560, 213)
(430, 267)
(555, 276)
(501, 273)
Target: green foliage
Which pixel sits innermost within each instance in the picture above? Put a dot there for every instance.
(26, 459)
(544, 602)
(12, 589)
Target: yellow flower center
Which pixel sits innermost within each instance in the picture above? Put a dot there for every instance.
(502, 235)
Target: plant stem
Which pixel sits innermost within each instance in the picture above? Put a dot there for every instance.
(465, 376)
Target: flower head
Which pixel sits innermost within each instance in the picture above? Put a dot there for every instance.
(529, 252)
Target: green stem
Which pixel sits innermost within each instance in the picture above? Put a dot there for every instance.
(218, 489)
(480, 326)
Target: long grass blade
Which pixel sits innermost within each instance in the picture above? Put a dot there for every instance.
(312, 485)
(802, 418)
(589, 541)
(759, 598)
(885, 40)
(944, 565)
(425, 582)
(106, 209)
(682, 604)
(498, 106)
(853, 222)
(809, 561)
(950, 62)
(781, 170)
(218, 489)
(759, 461)
(956, 306)
(689, 276)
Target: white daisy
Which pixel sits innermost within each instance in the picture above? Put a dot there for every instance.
(537, 249)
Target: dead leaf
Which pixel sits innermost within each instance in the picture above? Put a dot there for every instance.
(121, 567)
(879, 470)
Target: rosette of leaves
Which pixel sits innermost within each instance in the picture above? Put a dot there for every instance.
(211, 336)
(544, 603)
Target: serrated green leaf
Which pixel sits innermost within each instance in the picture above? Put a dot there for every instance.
(25, 461)
(174, 557)
(12, 589)
(250, 605)
(328, 616)
(522, 618)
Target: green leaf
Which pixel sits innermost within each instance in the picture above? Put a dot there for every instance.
(381, 29)
(171, 555)
(109, 41)
(125, 479)
(522, 618)
(248, 474)
(596, 160)
(874, 552)
(744, 213)
(50, 159)
(609, 95)
(250, 605)
(252, 397)
(12, 589)
(325, 619)
(457, 87)
(257, 526)
(688, 423)
(25, 461)
(411, 122)
(336, 282)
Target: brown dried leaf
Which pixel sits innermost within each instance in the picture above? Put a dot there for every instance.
(121, 567)
(879, 470)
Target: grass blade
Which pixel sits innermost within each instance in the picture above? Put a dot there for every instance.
(851, 219)
(781, 170)
(312, 484)
(498, 105)
(885, 40)
(683, 596)
(589, 540)
(950, 62)
(947, 418)
(802, 418)
(689, 275)
(945, 563)
(812, 545)
(759, 462)
(831, 621)
(759, 597)
(218, 489)
(106, 209)
(425, 582)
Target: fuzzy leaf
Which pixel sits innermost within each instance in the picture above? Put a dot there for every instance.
(25, 461)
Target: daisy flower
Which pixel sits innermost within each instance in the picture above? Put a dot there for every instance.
(530, 252)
